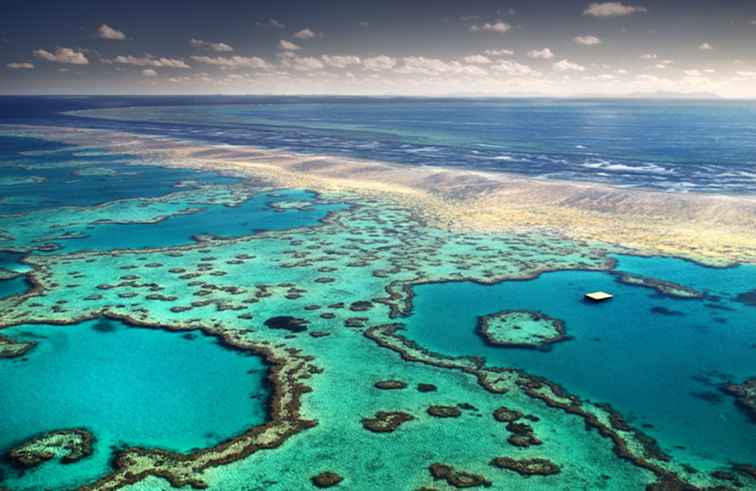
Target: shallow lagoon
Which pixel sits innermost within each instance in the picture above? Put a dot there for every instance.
(150, 387)
(656, 368)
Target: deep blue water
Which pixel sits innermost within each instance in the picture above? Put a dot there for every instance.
(61, 187)
(670, 145)
(655, 368)
(171, 392)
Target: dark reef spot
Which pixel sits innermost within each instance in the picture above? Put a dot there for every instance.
(390, 385)
(426, 388)
(456, 478)
(326, 479)
(506, 415)
(444, 411)
(747, 298)
(527, 467)
(104, 326)
(708, 396)
(386, 421)
(666, 311)
(292, 324)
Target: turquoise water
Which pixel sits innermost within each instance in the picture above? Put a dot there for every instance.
(254, 215)
(128, 386)
(657, 369)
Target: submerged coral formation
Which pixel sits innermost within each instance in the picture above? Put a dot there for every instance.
(745, 396)
(321, 304)
(69, 445)
(519, 329)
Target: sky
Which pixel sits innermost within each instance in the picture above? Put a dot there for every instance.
(557, 48)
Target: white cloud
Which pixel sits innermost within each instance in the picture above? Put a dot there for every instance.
(513, 68)
(217, 47)
(341, 61)
(541, 54)
(63, 55)
(705, 47)
(149, 60)
(233, 61)
(649, 56)
(664, 64)
(613, 9)
(288, 45)
(498, 26)
(272, 23)
(420, 65)
(477, 60)
(587, 40)
(107, 32)
(621, 71)
(305, 33)
(566, 65)
(379, 63)
(499, 52)
(149, 72)
(20, 66)
(302, 64)
(692, 73)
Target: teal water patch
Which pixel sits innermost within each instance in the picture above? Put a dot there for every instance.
(657, 359)
(50, 178)
(254, 215)
(14, 286)
(128, 386)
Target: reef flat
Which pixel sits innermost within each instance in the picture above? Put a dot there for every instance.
(518, 329)
(711, 228)
(353, 402)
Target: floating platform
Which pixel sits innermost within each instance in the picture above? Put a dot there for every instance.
(598, 296)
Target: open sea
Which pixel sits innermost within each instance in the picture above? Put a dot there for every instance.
(703, 146)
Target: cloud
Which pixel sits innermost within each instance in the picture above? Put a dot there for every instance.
(513, 68)
(341, 61)
(364, 24)
(63, 55)
(613, 9)
(302, 64)
(233, 61)
(20, 66)
(566, 65)
(379, 63)
(271, 23)
(587, 40)
(151, 61)
(149, 72)
(649, 56)
(499, 52)
(107, 32)
(662, 64)
(477, 60)
(705, 47)
(288, 45)
(498, 26)
(420, 65)
(217, 47)
(305, 33)
(541, 54)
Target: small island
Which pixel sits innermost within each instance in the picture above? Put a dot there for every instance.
(10, 348)
(69, 445)
(520, 329)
